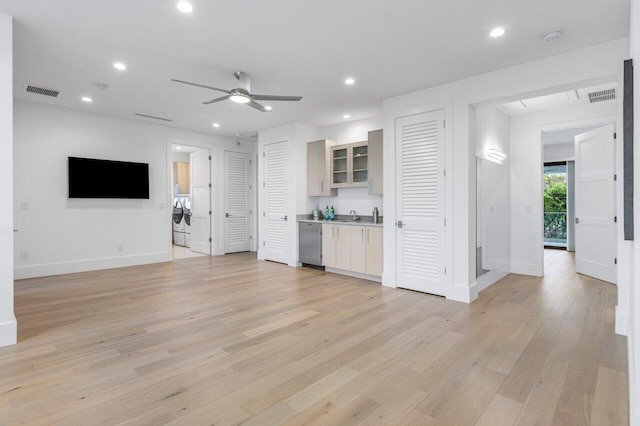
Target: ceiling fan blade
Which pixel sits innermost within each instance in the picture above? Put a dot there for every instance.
(257, 106)
(200, 85)
(275, 98)
(224, 98)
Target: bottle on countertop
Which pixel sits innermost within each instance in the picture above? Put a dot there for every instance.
(376, 215)
(333, 214)
(326, 213)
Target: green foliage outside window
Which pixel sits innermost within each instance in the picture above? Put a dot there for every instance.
(555, 206)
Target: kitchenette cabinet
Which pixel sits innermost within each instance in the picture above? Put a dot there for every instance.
(319, 169)
(349, 165)
(375, 162)
(352, 248)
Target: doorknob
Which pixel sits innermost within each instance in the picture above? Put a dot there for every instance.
(284, 218)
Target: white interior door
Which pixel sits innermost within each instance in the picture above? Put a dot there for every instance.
(201, 201)
(236, 195)
(420, 202)
(595, 230)
(276, 235)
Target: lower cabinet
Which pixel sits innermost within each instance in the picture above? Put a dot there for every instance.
(352, 248)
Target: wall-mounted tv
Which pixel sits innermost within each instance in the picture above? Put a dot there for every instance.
(93, 178)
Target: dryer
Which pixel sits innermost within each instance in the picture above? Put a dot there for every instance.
(178, 223)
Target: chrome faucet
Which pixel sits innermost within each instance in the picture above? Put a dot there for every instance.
(353, 215)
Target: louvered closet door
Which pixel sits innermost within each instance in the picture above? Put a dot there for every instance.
(420, 202)
(237, 202)
(276, 236)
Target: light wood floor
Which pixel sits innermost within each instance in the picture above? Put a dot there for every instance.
(226, 340)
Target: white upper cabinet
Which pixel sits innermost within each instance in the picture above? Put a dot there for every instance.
(319, 169)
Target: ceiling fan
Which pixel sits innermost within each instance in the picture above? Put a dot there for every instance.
(242, 95)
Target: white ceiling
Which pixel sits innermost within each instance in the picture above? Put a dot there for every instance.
(571, 98)
(289, 47)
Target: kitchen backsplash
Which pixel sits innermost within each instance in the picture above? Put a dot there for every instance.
(348, 199)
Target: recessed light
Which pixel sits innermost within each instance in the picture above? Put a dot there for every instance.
(87, 99)
(216, 124)
(184, 7)
(120, 66)
(268, 107)
(349, 81)
(346, 116)
(497, 32)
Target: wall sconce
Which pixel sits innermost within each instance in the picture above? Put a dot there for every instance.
(496, 155)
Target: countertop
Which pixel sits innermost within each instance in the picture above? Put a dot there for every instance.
(342, 222)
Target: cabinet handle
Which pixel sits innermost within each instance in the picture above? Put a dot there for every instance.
(333, 232)
(322, 187)
(370, 184)
(367, 234)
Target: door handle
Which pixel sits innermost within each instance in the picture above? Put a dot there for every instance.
(577, 221)
(228, 215)
(400, 224)
(284, 218)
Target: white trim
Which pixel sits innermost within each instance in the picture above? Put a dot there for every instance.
(354, 274)
(621, 321)
(59, 268)
(389, 280)
(491, 277)
(463, 293)
(526, 269)
(9, 332)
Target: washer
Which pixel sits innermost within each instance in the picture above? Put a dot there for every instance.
(187, 227)
(178, 224)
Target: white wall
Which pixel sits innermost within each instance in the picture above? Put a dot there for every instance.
(492, 132)
(596, 64)
(348, 199)
(559, 152)
(527, 240)
(65, 235)
(8, 325)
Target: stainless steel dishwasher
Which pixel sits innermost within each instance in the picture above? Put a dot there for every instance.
(310, 243)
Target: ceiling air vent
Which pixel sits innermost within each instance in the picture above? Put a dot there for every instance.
(151, 116)
(42, 91)
(602, 95)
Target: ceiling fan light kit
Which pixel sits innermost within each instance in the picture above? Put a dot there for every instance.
(242, 94)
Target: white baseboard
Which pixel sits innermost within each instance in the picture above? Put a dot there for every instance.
(488, 278)
(9, 333)
(463, 293)
(622, 324)
(354, 274)
(526, 269)
(388, 280)
(48, 269)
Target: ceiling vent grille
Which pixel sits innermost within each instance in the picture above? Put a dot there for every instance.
(151, 116)
(42, 91)
(602, 95)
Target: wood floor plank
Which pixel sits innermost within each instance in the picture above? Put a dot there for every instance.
(231, 340)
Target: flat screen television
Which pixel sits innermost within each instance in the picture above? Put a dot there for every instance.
(93, 178)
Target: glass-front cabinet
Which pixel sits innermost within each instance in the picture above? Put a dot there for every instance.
(349, 165)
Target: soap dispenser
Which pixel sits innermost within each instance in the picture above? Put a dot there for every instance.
(376, 215)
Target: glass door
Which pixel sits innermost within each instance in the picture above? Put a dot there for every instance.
(339, 166)
(360, 160)
(555, 204)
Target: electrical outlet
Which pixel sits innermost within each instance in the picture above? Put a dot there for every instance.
(120, 246)
(24, 254)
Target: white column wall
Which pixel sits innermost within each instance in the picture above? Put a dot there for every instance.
(8, 325)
